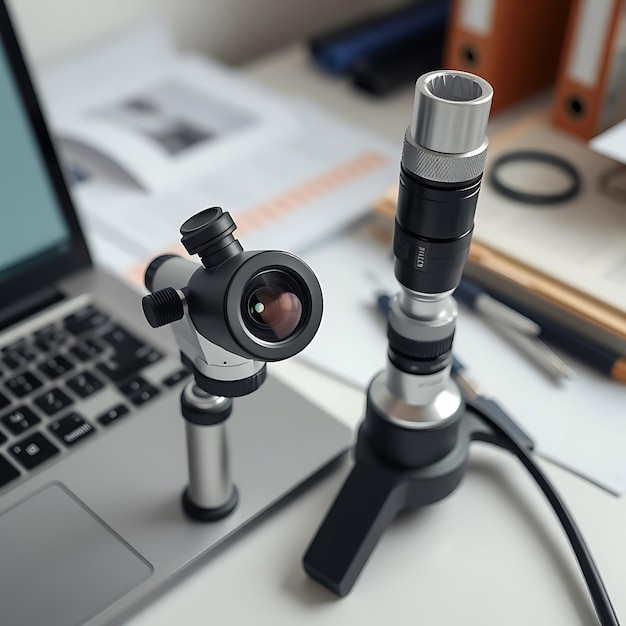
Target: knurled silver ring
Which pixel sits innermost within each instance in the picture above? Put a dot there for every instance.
(442, 168)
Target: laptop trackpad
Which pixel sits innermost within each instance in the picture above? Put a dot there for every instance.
(59, 564)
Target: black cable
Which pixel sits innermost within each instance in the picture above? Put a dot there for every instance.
(529, 197)
(599, 596)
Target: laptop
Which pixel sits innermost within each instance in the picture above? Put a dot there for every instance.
(92, 445)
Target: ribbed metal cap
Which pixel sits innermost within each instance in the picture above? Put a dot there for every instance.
(451, 111)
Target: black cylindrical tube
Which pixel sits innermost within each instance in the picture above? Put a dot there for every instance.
(441, 171)
(429, 265)
(435, 210)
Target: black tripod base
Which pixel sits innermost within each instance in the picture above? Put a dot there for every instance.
(209, 515)
(373, 494)
(376, 491)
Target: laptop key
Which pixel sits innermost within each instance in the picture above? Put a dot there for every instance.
(133, 386)
(23, 384)
(56, 366)
(49, 337)
(47, 331)
(3, 438)
(17, 356)
(7, 472)
(121, 340)
(46, 344)
(87, 318)
(33, 450)
(19, 420)
(113, 414)
(123, 365)
(85, 384)
(53, 401)
(147, 393)
(86, 350)
(138, 390)
(71, 429)
(12, 360)
(22, 350)
(4, 401)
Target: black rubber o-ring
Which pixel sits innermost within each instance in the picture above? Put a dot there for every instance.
(529, 197)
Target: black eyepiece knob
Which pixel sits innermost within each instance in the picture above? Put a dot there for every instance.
(162, 307)
(209, 234)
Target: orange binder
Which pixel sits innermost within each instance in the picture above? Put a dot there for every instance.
(513, 44)
(590, 94)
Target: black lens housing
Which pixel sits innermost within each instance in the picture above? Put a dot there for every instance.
(433, 231)
(218, 298)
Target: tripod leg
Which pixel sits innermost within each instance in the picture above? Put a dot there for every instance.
(368, 502)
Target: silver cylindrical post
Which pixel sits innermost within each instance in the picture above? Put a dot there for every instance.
(210, 484)
(211, 494)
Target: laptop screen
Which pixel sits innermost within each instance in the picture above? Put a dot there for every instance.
(40, 238)
(34, 229)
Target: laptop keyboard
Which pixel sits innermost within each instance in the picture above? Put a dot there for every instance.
(69, 381)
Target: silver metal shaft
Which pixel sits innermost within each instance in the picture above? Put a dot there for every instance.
(210, 483)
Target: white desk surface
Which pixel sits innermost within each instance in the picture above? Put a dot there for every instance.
(491, 553)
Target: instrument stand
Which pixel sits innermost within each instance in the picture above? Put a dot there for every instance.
(250, 448)
(396, 468)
